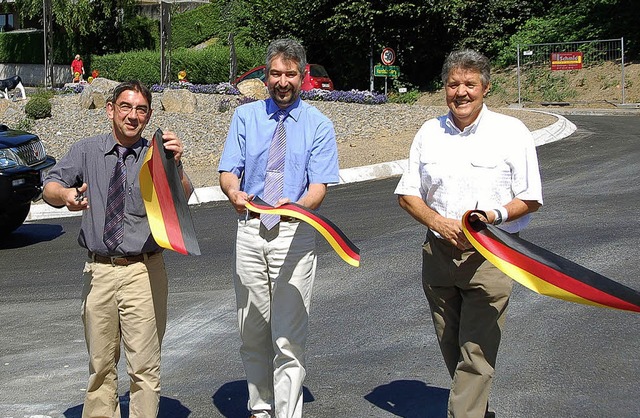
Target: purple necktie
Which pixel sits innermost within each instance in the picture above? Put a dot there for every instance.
(274, 179)
(114, 212)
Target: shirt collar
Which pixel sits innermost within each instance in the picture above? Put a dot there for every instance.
(293, 110)
(109, 146)
(469, 129)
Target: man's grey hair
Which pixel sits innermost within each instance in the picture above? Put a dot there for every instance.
(467, 59)
(289, 50)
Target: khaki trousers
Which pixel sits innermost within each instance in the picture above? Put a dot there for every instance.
(468, 298)
(274, 274)
(127, 303)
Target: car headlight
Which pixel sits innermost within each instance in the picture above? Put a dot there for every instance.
(8, 159)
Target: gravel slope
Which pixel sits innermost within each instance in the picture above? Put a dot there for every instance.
(366, 134)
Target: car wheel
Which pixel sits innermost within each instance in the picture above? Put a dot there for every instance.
(11, 218)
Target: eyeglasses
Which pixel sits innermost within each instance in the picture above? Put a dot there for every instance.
(125, 109)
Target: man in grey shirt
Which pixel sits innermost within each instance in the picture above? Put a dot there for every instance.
(125, 282)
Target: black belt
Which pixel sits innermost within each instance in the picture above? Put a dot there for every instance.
(256, 215)
(120, 260)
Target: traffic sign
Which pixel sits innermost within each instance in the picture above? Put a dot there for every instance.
(386, 71)
(388, 56)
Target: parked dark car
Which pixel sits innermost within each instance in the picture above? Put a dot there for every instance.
(23, 165)
(316, 77)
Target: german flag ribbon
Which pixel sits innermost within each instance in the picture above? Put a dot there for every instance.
(544, 272)
(334, 236)
(164, 199)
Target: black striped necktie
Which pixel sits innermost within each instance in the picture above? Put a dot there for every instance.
(114, 212)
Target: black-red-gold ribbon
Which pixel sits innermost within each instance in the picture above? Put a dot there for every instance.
(165, 202)
(545, 272)
(334, 236)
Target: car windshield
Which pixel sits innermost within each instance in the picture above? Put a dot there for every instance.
(259, 74)
(317, 71)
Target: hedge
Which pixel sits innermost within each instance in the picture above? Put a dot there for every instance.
(27, 47)
(209, 65)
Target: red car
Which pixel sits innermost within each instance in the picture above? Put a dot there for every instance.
(315, 77)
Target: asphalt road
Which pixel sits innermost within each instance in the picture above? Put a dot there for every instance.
(372, 350)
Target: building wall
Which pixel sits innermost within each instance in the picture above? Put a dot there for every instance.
(33, 74)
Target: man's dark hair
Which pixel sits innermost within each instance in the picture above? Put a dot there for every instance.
(134, 85)
(467, 59)
(289, 50)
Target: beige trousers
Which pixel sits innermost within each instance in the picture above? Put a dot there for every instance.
(468, 298)
(127, 303)
(273, 278)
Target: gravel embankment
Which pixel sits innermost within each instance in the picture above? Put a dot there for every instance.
(366, 134)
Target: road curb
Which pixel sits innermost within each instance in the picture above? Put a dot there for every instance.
(554, 132)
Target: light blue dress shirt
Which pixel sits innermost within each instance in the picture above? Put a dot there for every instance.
(312, 152)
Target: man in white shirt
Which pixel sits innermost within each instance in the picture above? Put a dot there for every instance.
(470, 158)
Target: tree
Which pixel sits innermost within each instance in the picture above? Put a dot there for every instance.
(93, 26)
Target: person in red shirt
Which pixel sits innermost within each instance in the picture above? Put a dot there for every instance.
(77, 69)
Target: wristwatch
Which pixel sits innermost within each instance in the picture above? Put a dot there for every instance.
(498, 219)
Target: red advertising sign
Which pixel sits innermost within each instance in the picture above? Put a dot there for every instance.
(566, 61)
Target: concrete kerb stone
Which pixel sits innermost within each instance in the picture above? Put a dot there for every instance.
(554, 132)
(562, 128)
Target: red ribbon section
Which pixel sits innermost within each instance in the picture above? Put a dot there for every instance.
(544, 272)
(165, 202)
(334, 236)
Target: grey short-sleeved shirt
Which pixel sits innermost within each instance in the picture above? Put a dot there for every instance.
(91, 161)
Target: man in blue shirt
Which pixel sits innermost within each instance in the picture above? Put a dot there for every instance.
(290, 161)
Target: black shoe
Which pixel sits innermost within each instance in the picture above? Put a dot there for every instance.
(489, 414)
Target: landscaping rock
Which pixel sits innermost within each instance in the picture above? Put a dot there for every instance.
(179, 101)
(253, 88)
(96, 94)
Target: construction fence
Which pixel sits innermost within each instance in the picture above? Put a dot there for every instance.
(555, 73)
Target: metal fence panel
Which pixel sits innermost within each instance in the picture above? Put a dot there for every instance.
(544, 69)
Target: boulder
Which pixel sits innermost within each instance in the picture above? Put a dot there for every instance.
(253, 88)
(96, 94)
(178, 101)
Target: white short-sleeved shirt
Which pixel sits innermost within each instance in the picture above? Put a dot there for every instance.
(485, 166)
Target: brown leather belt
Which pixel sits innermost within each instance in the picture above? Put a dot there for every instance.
(119, 261)
(256, 215)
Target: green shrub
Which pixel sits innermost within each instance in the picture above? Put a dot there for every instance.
(209, 65)
(410, 97)
(195, 26)
(22, 47)
(28, 47)
(24, 125)
(38, 108)
(142, 65)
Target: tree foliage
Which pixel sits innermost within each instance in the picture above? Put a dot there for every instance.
(94, 26)
(347, 36)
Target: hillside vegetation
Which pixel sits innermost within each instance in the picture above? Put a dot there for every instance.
(596, 86)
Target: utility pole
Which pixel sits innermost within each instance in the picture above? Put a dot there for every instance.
(165, 43)
(47, 19)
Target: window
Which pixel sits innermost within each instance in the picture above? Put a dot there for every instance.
(6, 22)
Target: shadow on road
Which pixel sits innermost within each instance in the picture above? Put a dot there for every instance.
(232, 397)
(29, 234)
(410, 399)
(169, 408)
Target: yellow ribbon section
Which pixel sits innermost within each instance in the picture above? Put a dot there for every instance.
(317, 226)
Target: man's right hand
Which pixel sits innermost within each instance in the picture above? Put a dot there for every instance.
(73, 198)
(239, 199)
